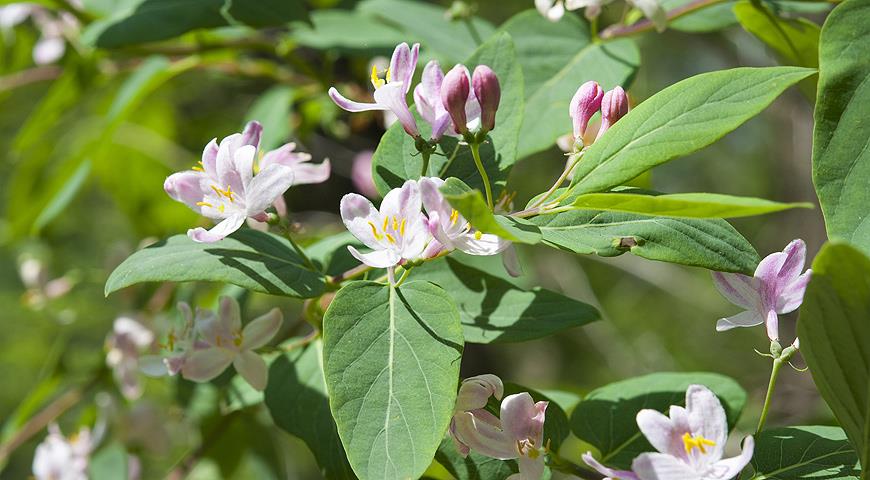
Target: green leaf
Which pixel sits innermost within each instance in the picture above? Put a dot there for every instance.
(494, 310)
(296, 398)
(834, 329)
(391, 363)
(799, 453)
(841, 140)
(679, 120)
(348, 30)
(473, 467)
(255, 260)
(472, 206)
(425, 23)
(606, 417)
(795, 41)
(710, 19)
(272, 110)
(152, 20)
(396, 158)
(687, 205)
(109, 463)
(557, 58)
(709, 243)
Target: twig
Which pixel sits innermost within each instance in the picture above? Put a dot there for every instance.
(645, 25)
(31, 75)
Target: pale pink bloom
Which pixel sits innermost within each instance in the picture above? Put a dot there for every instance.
(428, 100)
(125, 343)
(690, 441)
(361, 174)
(553, 10)
(40, 290)
(517, 433)
(776, 288)
(61, 458)
(51, 45)
(397, 232)
(609, 473)
(224, 186)
(450, 229)
(179, 344)
(390, 92)
(226, 342)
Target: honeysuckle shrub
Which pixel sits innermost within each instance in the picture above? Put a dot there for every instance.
(470, 164)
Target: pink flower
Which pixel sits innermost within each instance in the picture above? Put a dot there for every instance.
(614, 105)
(125, 343)
(430, 106)
(776, 288)
(517, 433)
(585, 103)
(361, 174)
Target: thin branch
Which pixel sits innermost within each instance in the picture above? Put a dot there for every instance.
(31, 75)
(645, 25)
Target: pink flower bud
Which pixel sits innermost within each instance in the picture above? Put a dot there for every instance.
(585, 103)
(488, 94)
(454, 93)
(614, 106)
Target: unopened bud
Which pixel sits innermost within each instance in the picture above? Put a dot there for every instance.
(585, 103)
(454, 93)
(488, 93)
(614, 105)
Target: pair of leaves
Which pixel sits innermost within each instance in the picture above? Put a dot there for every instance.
(834, 329)
(606, 417)
(841, 140)
(153, 20)
(396, 158)
(556, 58)
(391, 363)
(679, 120)
(251, 259)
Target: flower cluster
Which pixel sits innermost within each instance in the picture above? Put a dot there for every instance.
(589, 99)
(52, 26)
(455, 103)
(555, 9)
(690, 442)
(224, 187)
(59, 457)
(124, 344)
(777, 287)
(517, 433)
(208, 343)
(400, 232)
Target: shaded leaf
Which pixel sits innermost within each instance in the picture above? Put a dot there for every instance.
(798, 453)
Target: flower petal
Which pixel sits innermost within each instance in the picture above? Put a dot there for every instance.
(403, 63)
(260, 330)
(661, 466)
(707, 418)
(185, 187)
(209, 158)
(487, 244)
(350, 105)
(530, 469)
(511, 262)
(480, 431)
(377, 258)
(266, 186)
(792, 295)
(251, 134)
(661, 432)
(403, 202)
(741, 290)
(474, 392)
(392, 96)
(356, 213)
(230, 315)
(432, 198)
(772, 324)
(606, 471)
(206, 364)
(729, 468)
(219, 231)
(743, 319)
(253, 369)
(522, 418)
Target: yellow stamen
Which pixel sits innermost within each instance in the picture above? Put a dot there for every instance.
(390, 238)
(477, 235)
(204, 204)
(386, 223)
(221, 208)
(377, 82)
(690, 442)
(395, 224)
(224, 193)
(388, 74)
(402, 227)
(171, 340)
(198, 169)
(237, 341)
(454, 216)
(377, 235)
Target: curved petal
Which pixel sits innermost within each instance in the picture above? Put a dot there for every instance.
(219, 231)
(403, 202)
(308, 173)
(741, 290)
(185, 187)
(606, 471)
(403, 63)
(731, 467)
(707, 418)
(772, 324)
(661, 466)
(792, 295)
(474, 392)
(660, 431)
(483, 436)
(230, 315)
(260, 330)
(432, 198)
(350, 105)
(743, 319)
(356, 213)
(511, 262)
(251, 134)
(522, 418)
(266, 186)
(206, 364)
(243, 159)
(392, 96)
(530, 468)
(416, 238)
(795, 257)
(377, 258)
(253, 369)
(209, 158)
(486, 244)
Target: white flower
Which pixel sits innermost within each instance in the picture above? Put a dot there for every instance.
(61, 458)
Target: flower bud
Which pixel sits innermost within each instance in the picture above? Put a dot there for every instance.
(585, 103)
(454, 93)
(488, 94)
(614, 105)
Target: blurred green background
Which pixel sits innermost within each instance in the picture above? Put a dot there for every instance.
(83, 160)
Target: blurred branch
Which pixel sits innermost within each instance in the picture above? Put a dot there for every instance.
(31, 75)
(645, 25)
(257, 44)
(75, 11)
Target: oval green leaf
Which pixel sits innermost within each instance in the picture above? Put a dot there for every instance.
(687, 205)
(804, 453)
